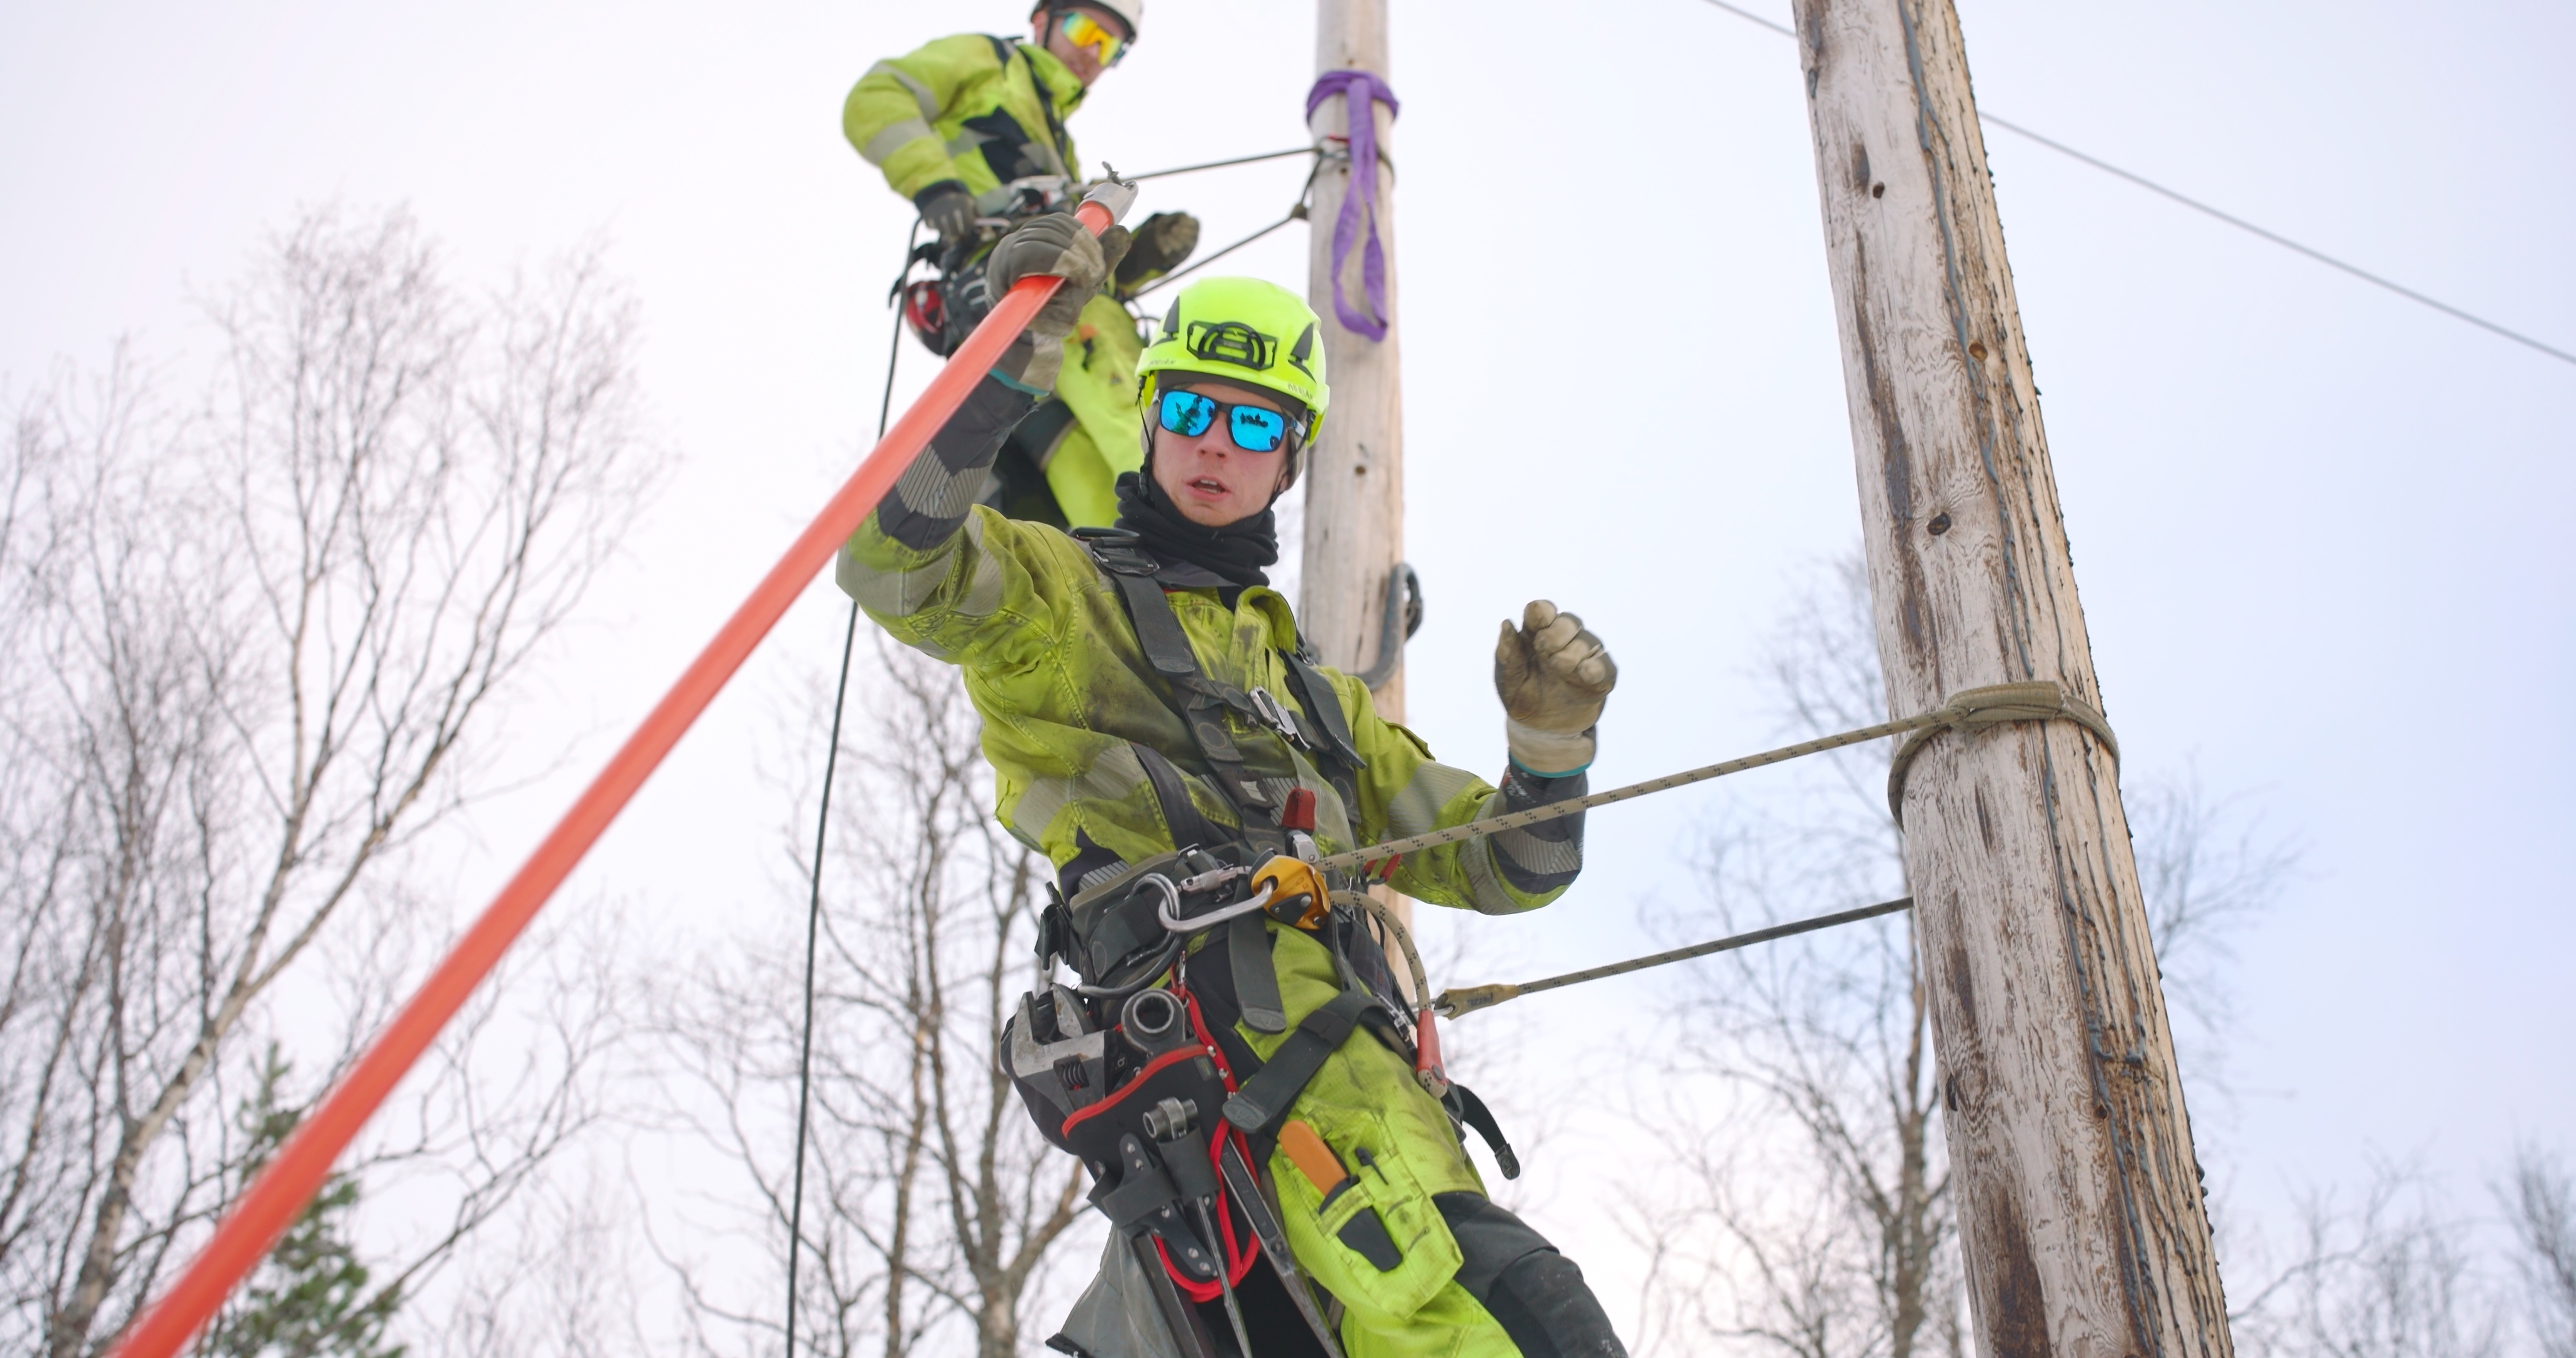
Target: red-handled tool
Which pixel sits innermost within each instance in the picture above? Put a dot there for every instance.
(1427, 1069)
(253, 1225)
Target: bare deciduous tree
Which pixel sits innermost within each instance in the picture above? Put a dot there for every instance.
(2394, 1277)
(248, 654)
(932, 1206)
(1808, 1211)
(2540, 1205)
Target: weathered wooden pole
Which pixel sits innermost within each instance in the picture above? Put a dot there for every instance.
(1355, 474)
(2071, 1154)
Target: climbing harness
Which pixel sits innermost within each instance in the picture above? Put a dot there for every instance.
(943, 308)
(1137, 1068)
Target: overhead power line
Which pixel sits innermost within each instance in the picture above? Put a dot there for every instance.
(2231, 219)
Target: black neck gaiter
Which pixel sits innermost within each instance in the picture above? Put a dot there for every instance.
(1236, 552)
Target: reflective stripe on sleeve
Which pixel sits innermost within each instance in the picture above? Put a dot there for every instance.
(1114, 776)
(883, 145)
(902, 593)
(920, 92)
(1416, 810)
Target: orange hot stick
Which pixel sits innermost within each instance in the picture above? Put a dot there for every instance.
(265, 1211)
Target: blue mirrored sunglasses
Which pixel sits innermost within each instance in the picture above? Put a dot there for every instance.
(1253, 429)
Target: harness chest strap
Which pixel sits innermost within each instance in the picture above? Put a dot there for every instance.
(1167, 648)
(1321, 727)
(1325, 707)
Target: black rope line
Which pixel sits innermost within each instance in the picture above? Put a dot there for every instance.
(2229, 218)
(1221, 164)
(822, 829)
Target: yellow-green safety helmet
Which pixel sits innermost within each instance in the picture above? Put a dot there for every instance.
(1242, 330)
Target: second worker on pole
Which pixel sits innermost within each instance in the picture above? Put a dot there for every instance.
(971, 128)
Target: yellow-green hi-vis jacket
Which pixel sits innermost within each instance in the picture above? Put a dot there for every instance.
(981, 112)
(1052, 663)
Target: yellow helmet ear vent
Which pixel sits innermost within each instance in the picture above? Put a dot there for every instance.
(1232, 342)
(1303, 350)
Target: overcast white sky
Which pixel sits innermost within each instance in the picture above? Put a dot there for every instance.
(2320, 531)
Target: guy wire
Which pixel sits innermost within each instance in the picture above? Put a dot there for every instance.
(1295, 211)
(1221, 164)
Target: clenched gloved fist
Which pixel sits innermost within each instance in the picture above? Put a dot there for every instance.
(1553, 677)
(948, 210)
(1056, 243)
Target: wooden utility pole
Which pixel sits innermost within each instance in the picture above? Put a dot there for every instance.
(1355, 473)
(2071, 1155)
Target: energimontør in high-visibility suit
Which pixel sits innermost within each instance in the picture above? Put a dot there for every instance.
(956, 122)
(1074, 713)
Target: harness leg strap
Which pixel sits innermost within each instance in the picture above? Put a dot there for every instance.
(1265, 1098)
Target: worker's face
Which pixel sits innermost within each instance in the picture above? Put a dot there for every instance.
(1046, 28)
(1213, 481)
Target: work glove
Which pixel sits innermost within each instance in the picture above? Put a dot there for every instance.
(947, 208)
(1553, 677)
(1054, 243)
(1162, 243)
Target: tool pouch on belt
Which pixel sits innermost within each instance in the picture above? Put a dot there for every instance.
(1376, 1240)
(1063, 1048)
(1118, 1071)
(1142, 1194)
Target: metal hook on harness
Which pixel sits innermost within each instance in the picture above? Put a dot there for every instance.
(1170, 915)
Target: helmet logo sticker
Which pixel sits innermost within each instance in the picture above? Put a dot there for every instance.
(1232, 342)
(1305, 346)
